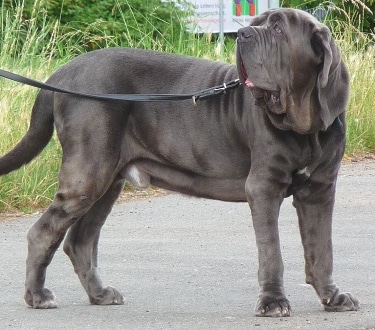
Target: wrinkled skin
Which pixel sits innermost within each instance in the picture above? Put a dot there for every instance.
(281, 133)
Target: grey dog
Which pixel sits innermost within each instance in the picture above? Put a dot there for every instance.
(281, 133)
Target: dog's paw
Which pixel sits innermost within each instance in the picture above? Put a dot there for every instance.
(270, 306)
(341, 302)
(108, 296)
(45, 299)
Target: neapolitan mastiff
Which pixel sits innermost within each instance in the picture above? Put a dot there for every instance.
(281, 133)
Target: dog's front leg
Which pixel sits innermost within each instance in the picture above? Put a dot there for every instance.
(314, 204)
(265, 199)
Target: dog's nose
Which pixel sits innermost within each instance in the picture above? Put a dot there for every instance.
(244, 33)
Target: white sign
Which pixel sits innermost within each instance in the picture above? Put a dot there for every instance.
(236, 14)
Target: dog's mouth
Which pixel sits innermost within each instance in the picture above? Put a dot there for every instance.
(269, 98)
(246, 81)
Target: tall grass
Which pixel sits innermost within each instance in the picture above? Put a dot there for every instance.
(358, 51)
(44, 50)
(361, 108)
(27, 50)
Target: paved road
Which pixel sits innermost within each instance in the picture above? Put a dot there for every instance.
(186, 263)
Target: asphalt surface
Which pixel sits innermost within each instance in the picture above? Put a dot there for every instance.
(187, 263)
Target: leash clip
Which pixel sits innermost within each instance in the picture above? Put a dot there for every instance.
(221, 89)
(194, 98)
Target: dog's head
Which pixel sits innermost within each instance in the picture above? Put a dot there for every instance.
(293, 67)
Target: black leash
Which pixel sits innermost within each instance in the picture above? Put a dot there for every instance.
(201, 95)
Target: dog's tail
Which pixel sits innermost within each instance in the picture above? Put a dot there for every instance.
(37, 137)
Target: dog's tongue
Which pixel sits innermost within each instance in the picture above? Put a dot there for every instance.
(249, 83)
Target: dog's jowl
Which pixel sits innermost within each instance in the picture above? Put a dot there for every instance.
(281, 133)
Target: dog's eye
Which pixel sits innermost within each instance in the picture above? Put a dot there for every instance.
(277, 29)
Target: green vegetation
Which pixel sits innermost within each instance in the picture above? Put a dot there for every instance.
(34, 44)
(357, 48)
(91, 24)
(360, 12)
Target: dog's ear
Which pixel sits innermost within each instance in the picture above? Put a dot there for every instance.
(333, 79)
(324, 46)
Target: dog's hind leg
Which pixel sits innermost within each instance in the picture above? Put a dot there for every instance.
(84, 178)
(81, 245)
(45, 236)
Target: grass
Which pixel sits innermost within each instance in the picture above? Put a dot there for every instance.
(45, 50)
(358, 52)
(361, 111)
(34, 185)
